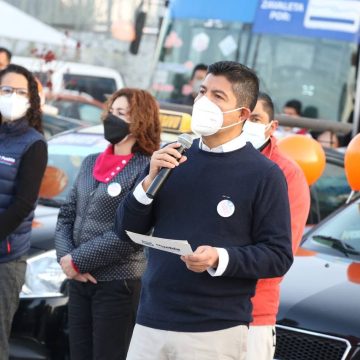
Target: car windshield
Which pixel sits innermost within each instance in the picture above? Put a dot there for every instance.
(78, 110)
(53, 124)
(66, 152)
(328, 193)
(340, 235)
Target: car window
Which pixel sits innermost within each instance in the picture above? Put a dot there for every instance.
(53, 124)
(67, 152)
(328, 193)
(90, 113)
(78, 110)
(67, 108)
(340, 235)
(98, 87)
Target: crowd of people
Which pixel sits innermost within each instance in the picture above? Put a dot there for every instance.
(127, 302)
(292, 108)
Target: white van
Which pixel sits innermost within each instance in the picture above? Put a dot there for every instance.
(97, 81)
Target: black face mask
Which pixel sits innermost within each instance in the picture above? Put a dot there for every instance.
(115, 129)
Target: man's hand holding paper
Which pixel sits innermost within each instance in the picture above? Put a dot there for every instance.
(202, 259)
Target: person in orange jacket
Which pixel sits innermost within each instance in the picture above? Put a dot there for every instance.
(258, 130)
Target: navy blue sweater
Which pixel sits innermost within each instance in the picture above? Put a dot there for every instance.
(257, 238)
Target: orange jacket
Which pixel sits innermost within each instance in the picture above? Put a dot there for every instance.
(267, 294)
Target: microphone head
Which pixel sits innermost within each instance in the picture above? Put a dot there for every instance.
(185, 140)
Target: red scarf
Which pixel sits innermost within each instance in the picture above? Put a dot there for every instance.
(108, 165)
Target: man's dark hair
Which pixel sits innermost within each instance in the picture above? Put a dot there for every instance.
(295, 104)
(198, 67)
(245, 83)
(268, 104)
(311, 112)
(7, 52)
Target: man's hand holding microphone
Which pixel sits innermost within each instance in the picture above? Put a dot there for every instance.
(161, 164)
(165, 159)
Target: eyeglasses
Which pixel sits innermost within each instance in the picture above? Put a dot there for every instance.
(9, 90)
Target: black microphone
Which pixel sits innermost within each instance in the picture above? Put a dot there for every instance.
(186, 141)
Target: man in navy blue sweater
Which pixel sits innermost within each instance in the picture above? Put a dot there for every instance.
(231, 204)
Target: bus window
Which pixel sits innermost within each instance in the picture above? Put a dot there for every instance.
(312, 70)
(318, 71)
(190, 42)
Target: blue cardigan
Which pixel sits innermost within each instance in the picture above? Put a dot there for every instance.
(257, 237)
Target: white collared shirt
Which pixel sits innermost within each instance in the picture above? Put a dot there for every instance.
(231, 145)
(234, 144)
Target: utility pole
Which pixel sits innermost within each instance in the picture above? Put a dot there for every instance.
(109, 20)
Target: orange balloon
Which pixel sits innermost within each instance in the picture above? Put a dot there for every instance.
(53, 182)
(352, 163)
(353, 273)
(307, 152)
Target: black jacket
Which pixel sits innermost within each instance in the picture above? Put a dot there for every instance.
(85, 225)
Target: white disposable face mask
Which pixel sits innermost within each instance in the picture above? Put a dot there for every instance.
(207, 118)
(13, 107)
(255, 133)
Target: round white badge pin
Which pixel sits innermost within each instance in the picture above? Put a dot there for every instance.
(225, 208)
(114, 189)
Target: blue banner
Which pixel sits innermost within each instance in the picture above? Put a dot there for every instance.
(225, 10)
(333, 19)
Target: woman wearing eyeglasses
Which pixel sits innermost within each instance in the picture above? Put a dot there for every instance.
(23, 158)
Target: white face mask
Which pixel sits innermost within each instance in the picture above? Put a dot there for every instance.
(255, 133)
(13, 107)
(207, 118)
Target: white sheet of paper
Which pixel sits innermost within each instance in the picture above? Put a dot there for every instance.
(179, 247)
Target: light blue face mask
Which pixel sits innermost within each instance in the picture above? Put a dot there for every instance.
(254, 133)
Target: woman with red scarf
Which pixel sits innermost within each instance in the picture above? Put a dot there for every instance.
(104, 271)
